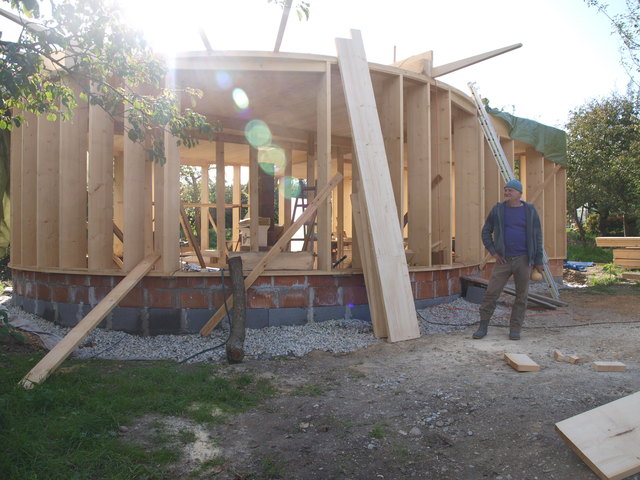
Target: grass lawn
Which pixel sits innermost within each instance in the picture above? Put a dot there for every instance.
(67, 427)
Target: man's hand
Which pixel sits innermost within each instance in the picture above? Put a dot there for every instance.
(499, 259)
(540, 268)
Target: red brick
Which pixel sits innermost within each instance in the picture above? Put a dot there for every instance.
(41, 277)
(17, 286)
(266, 281)
(261, 298)
(160, 298)
(440, 275)
(354, 295)
(442, 288)
(325, 296)
(454, 286)
(425, 290)
(350, 280)
(43, 291)
(103, 281)
(321, 280)
(159, 282)
(191, 282)
(290, 281)
(77, 279)
(194, 299)
(59, 294)
(216, 282)
(423, 276)
(134, 299)
(78, 294)
(294, 298)
(96, 294)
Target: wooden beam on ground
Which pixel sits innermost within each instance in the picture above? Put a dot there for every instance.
(184, 220)
(521, 362)
(278, 247)
(609, 367)
(607, 437)
(63, 349)
(467, 62)
(283, 25)
(618, 241)
(377, 191)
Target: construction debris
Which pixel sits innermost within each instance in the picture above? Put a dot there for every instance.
(609, 367)
(521, 362)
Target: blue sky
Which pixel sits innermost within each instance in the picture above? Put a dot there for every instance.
(569, 54)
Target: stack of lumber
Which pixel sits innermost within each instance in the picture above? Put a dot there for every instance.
(626, 250)
(378, 230)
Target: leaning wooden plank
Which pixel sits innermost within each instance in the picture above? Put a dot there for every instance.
(521, 362)
(609, 367)
(542, 300)
(377, 196)
(618, 241)
(184, 221)
(63, 349)
(278, 247)
(607, 438)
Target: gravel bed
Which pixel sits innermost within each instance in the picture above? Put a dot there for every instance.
(340, 335)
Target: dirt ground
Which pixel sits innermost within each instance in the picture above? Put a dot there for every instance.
(440, 407)
(443, 406)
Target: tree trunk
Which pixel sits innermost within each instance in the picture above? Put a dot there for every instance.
(235, 343)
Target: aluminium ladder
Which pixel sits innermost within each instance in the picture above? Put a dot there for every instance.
(506, 171)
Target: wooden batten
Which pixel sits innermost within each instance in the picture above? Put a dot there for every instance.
(73, 187)
(286, 187)
(237, 212)
(340, 206)
(221, 231)
(561, 207)
(419, 173)
(467, 144)
(29, 190)
(204, 209)
(254, 203)
(441, 165)
(15, 172)
(390, 108)
(47, 192)
(323, 160)
(100, 196)
(134, 201)
(549, 214)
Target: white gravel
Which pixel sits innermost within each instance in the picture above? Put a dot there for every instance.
(340, 335)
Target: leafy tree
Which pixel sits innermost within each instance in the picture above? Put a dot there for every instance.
(627, 26)
(603, 150)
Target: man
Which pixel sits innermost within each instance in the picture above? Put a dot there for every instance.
(513, 235)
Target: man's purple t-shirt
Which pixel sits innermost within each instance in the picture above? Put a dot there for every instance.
(515, 231)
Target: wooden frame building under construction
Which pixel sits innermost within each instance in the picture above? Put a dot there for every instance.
(87, 207)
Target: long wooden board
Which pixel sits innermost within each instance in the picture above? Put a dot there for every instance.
(377, 196)
(278, 247)
(618, 241)
(626, 254)
(63, 349)
(607, 438)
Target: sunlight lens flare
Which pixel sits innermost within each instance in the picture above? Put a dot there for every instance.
(272, 160)
(240, 98)
(258, 134)
(224, 80)
(291, 187)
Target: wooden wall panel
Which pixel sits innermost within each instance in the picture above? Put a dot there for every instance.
(134, 202)
(73, 188)
(550, 213)
(254, 201)
(441, 165)
(100, 196)
(15, 173)
(467, 143)
(29, 189)
(170, 224)
(561, 213)
(48, 195)
(390, 109)
(221, 231)
(118, 200)
(419, 171)
(237, 200)
(323, 161)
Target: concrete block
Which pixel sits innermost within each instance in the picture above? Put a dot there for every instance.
(287, 316)
(322, 314)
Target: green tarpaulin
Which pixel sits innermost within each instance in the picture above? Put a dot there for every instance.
(550, 141)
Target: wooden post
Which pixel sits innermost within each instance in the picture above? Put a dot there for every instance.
(237, 202)
(29, 191)
(15, 170)
(100, 221)
(204, 209)
(73, 194)
(442, 163)
(254, 200)
(235, 342)
(221, 230)
(419, 171)
(323, 160)
(48, 193)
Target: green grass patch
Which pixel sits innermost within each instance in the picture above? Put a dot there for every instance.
(67, 427)
(378, 431)
(589, 253)
(311, 390)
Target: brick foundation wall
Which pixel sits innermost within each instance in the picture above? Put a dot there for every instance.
(183, 304)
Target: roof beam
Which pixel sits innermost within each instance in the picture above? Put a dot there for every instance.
(466, 62)
(283, 25)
